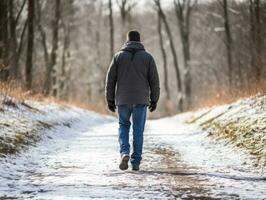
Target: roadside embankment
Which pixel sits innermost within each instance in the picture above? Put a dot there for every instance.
(241, 124)
(23, 123)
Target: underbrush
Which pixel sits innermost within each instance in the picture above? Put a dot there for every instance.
(14, 94)
(226, 96)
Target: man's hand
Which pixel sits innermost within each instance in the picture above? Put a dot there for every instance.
(111, 106)
(152, 106)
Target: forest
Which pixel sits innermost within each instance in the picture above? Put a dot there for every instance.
(205, 138)
(203, 49)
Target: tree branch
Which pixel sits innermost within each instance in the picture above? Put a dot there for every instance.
(20, 11)
(21, 39)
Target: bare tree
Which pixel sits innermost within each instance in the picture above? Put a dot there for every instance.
(164, 56)
(43, 41)
(21, 43)
(67, 21)
(256, 38)
(65, 56)
(228, 40)
(125, 7)
(14, 53)
(30, 45)
(111, 24)
(4, 44)
(10, 46)
(174, 54)
(49, 80)
(13, 42)
(183, 10)
(99, 50)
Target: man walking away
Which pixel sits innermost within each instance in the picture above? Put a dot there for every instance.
(132, 84)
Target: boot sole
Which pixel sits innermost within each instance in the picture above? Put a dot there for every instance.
(135, 169)
(124, 163)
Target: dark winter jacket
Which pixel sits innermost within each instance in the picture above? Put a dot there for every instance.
(132, 76)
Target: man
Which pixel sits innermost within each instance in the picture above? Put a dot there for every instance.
(132, 84)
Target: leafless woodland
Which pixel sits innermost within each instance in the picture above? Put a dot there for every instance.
(202, 48)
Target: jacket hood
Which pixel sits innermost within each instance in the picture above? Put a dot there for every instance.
(132, 45)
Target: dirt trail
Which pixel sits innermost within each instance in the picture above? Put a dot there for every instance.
(82, 163)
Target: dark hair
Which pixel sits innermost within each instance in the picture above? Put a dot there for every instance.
(133, 36)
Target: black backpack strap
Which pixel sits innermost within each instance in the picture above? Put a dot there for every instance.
(133, 52)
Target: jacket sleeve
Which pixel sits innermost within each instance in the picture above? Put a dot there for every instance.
(111, 80)
(154, 83)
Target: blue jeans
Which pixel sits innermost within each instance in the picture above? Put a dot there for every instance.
(138, 112)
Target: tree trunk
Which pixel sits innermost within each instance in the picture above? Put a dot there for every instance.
(258, 37)
(30, 45)
(123, 13)
(166, 87)
(255, 34)
(16, 45)
(228, 43)
(55, 48)
(43, 36)
(2, 10)
(125, 8)
(252, 36)
(111, 23)
(4, 44)
(51, 81)
(13, 72)
(173, 50)
(21, 42)
(183, 12)
(65, 55)
(14, 53)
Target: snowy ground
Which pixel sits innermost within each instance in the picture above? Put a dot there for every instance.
(80, 161)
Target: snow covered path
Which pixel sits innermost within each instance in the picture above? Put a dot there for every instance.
(81, 162)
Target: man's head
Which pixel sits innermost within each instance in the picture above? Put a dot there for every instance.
(133, 35)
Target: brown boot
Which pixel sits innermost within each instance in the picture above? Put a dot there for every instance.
(124, 162)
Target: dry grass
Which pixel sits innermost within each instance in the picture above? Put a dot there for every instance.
(98, 107)
(19, 95)
(255, 89)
